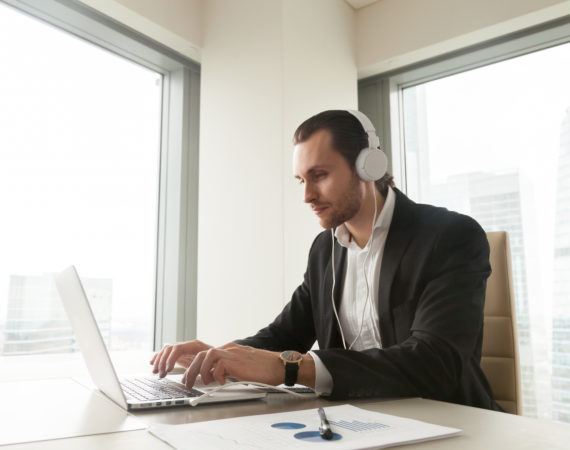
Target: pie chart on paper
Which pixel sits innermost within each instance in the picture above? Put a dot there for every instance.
(315, 436)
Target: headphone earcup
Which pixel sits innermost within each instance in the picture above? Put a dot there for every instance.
(371, 164)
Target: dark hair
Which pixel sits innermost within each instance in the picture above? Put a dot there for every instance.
(348, 138)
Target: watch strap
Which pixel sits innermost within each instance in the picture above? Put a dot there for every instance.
(291, 373)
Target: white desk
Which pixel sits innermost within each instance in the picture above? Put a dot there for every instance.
(482, 429)
(52, 409)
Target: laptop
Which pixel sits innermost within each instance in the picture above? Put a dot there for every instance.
(144, 392)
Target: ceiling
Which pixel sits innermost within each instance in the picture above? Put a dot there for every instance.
(357, 4)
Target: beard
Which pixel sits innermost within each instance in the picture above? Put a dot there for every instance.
(347, 206)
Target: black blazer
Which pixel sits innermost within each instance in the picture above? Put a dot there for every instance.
(431, 298)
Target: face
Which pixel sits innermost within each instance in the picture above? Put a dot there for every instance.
(332, 188)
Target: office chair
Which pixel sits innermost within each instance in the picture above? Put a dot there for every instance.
(500, 354)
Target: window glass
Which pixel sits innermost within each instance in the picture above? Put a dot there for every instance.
(79, 179)
(494, 143)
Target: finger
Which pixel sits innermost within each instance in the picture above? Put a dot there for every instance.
(212, 358)
(175, 353)
(162, 363)
(153, 358)
(193, 370)
(219, 373)
(156, 359)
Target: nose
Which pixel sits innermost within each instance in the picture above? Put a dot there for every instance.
(310, 195)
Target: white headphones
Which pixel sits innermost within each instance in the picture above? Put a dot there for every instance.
(371, 163)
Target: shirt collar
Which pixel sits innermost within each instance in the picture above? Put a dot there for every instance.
(383, 222)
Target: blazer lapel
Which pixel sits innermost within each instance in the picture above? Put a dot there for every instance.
(333, 337)
(396, 243)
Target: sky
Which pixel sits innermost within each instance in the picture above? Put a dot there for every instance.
(501, 116)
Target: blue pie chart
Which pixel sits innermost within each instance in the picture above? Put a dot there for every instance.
(288, 425)
(315, 436)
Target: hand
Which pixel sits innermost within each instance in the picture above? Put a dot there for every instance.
(237, 361)
(182, 353)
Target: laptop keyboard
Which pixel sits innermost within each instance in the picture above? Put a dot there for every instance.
(156, 389)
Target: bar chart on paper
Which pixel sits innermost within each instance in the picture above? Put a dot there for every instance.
(352, 427)
(357, 425)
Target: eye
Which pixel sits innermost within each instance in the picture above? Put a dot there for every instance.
(319, 175)
(300, 181)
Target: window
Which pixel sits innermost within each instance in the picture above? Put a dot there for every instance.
(98, 134)
(487, 133)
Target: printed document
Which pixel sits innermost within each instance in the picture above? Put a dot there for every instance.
(353, 428)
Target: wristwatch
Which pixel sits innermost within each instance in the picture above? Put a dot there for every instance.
(292, 360)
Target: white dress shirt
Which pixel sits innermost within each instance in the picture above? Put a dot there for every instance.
(359, 301)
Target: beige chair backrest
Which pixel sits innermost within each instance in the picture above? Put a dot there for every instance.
(500, 354)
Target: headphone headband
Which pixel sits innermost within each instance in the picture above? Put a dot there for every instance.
(373, 139)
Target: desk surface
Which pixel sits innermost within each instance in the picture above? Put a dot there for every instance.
(52, 409)
(481, 428)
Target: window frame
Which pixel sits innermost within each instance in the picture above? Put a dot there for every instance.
(381, 96)
(177, 220)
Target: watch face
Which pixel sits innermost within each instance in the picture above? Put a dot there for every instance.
(291, 355)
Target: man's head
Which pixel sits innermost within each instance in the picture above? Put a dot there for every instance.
(326, 148)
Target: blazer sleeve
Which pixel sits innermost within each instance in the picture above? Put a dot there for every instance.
(445, 331)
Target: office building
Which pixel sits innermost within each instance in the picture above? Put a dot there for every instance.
(561, 288)
(494, 200)
(36, 322)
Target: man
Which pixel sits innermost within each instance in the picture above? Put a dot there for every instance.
(394, 297)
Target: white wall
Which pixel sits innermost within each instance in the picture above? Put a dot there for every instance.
(263, 74)
(240, 219)
(395, 33)
(319, 73)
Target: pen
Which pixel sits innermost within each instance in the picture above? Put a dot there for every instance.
(325, 428)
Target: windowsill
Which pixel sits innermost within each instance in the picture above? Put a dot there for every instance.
(65, 365)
